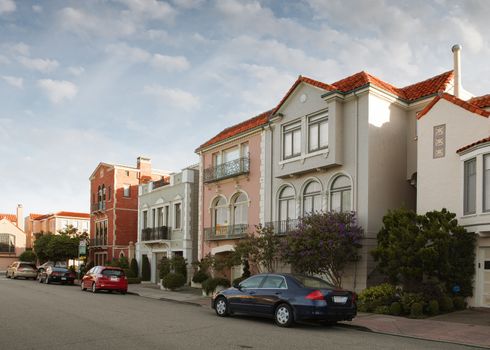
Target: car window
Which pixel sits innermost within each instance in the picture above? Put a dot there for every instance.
(113, 272)
(312, 282)
(274, 282)
(26, 266)
(252, 282)
(91, 270)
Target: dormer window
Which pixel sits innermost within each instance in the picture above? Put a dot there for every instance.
(291, 140)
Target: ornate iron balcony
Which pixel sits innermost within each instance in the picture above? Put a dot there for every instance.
(226, 170)
(225, 232)
(283, 227)
(155, 233)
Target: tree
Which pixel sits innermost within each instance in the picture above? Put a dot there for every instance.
(71, 231)
(145, 269)
(324, 243)
(432, 247)
(134, 267)
(261, 248)
(62, 248)
(41, 245)
(29, 256)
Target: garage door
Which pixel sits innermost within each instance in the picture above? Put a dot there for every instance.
(485, 264)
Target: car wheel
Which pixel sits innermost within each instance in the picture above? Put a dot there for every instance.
(7, 275)
(221, 307)
(283, 316)
(94, 288)
(124, 292)
(46, 280)
(82, 287)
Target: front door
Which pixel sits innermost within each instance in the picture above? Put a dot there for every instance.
(485, 277)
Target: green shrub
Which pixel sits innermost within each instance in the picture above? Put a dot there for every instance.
(395, 308)
(145, 269)
(28, 256)
(408, 299)
(173, 280)
(129, 273)
(179, 265)
(384, 310)
(446, 304)
(372, 297)
(416, 310)
(459, 303)
(164, 266)
(210, 284)
(134, 267)
(134, 280)
(200, 276)
(433, 308)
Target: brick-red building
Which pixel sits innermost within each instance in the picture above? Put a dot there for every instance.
(114, 207)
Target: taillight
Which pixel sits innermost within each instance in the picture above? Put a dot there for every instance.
(316, 295)
(354, 297)
(55, 273)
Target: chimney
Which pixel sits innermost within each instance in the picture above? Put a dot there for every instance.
(457, 70)
(144, 166)
(20, 217)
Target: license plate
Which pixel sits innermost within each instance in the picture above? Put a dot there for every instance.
(63, 278)
(339, 300)
(114, 278)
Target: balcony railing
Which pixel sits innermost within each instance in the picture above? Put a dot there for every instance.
(98, 241)
(99, 206)
(229, 169)
(155, 233)
(283, 227)
(226, 232)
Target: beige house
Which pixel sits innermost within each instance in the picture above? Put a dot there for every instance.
(12, 237)
(453, 170)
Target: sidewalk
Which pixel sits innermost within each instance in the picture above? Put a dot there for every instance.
(186, 295)
(461, 327)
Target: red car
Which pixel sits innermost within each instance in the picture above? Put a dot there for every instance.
(105, 278)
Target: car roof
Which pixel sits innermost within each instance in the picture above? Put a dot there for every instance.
(110, 267)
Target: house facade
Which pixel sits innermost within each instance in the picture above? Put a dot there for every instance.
(114, 208)
(168, 219)
(12, 237)
(231, 188)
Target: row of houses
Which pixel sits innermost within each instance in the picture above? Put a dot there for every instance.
(358, 144)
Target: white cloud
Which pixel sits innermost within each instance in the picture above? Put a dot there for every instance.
(18, 49)
(7, 6)
(39, 64)
(170, 63)
(156, 34)
(76, 71)
(37, 8)
(4, 60)
(14, 81)
(128, 53)
(150, 8)
(175, 97)
(188, 4)
(58, 90)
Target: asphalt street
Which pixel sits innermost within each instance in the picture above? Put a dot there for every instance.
(51, 317)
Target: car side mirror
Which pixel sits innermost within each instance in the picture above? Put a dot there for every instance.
(237, 286)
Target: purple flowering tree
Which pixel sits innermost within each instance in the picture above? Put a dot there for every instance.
(323, 244)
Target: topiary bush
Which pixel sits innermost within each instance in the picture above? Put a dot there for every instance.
(200, 276)
(446, 304)
(164, 266)
(210, 284)
(433, 308)
(416, 310)
(134, 280)
(173, 280)
(408, 299)
(28, 256)
(459, 303)
(145, 269)
(395, 308)
(134, 267)
(179, 265)
(384, 310)
(372, 297)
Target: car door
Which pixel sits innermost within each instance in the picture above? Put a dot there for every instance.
(243, 300)
(87, 278)
(272, 290)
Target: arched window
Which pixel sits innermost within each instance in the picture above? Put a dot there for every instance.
(99, 195)
(287, 207)
(240, 210)
(220, 212)
(312, 198)
(340, 194)
(103, 193)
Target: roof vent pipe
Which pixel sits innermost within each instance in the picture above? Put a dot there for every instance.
(457, 69)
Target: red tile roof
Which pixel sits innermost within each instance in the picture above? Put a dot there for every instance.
(428, 87)
(479, 142)
(34, 216)
(453, 99)
(10, 217)
(72, 214)
(481, 101)
(239, 128)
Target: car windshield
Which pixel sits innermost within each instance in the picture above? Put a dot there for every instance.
(113, 272)
(313, 282)
(26, 266)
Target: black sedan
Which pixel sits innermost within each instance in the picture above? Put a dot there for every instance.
(56, 274)
(287, 298)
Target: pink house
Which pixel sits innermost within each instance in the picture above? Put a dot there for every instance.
(231, 168)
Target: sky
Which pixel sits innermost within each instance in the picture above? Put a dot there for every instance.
(83, 82)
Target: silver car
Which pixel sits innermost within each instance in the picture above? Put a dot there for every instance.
(21, 269)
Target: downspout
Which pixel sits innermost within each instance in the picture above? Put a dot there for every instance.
(356, 172)
(271, 172)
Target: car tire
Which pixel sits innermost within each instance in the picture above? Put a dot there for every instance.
(46, 280)
(221, 306)
(82, 287)
(7, 275)
(39, 279)
(124, 292)
(283, 315)
(93, 288)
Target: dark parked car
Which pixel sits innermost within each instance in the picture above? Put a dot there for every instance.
(105, 278)
(56, 274)
(287, 298)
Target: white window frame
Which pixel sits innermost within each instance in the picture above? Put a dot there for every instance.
(317, 120)
(175, 216)
(466, 163)
(292, 129)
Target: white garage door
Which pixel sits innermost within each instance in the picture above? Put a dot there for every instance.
(485, 265)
